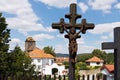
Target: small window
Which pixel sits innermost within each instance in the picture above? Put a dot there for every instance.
(39, 67)
(52, 61)
(98, 62)
(39, 60)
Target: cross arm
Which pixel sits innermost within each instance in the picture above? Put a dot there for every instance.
(78, 26)
(76, 16)
(108, 45)
(86, 26)
(59, 26)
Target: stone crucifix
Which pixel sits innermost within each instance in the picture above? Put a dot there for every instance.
(116, 46)
(73, 31)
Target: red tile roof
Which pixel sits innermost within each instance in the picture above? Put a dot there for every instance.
(61, 59)
(38, 53)
(109, 67)
(94, 59)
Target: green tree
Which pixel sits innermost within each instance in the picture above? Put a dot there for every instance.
(110, 58)
(49, 50)
(66, 64)
(4, 46)
(100, 54)
(83, 57)
(19, 62)
(82, 66)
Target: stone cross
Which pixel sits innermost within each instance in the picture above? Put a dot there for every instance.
(73, 16)
(116, 46)
(71, 29)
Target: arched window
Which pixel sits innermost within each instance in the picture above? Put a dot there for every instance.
(54, 71)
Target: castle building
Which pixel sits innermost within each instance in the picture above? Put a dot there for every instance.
(44, 62)
(38, 56)
(30, 44)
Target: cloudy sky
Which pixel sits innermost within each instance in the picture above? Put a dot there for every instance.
(34, 18)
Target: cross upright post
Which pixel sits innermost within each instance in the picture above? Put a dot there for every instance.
(116, 46)
(72, 34)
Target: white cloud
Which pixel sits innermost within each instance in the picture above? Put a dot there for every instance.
(83, 7)
(104, 37)
(43, 37)
(61, 48)
(58, 3)
(16, 41)
(24, 26)
(25, 19)
(80, 41)
(61, 36)
(104, 5)
(106, 27)
(117, 6)
(85, 49)
(49, 29)
(16, 7)
(111, 34)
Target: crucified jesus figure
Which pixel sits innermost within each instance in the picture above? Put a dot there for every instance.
(72, 36)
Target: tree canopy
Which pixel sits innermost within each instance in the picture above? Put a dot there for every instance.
(83, 57)
(99, 53)
(107, 57)
(110, 58)
(15, 61)
(4, 46)
(49, 50)
(19, 61)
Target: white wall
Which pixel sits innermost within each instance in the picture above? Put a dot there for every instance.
(48, 69)
(95, 64)
(37, 63)
(46, 65)
(41, 62)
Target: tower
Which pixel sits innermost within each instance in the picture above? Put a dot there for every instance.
(30, 44)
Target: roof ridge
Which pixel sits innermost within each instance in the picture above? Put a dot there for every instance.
(95, 59)
(38, 53)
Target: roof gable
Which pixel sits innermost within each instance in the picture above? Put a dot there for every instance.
(38, 53)
(94, 59)
(109, 68)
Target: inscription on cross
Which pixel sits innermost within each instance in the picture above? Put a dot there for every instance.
(71, 29)
(116, 46)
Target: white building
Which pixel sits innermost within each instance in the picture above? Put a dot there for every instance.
(41, 59)
(95, 61)
(49, 69)
(44, 62)
(108, 72)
